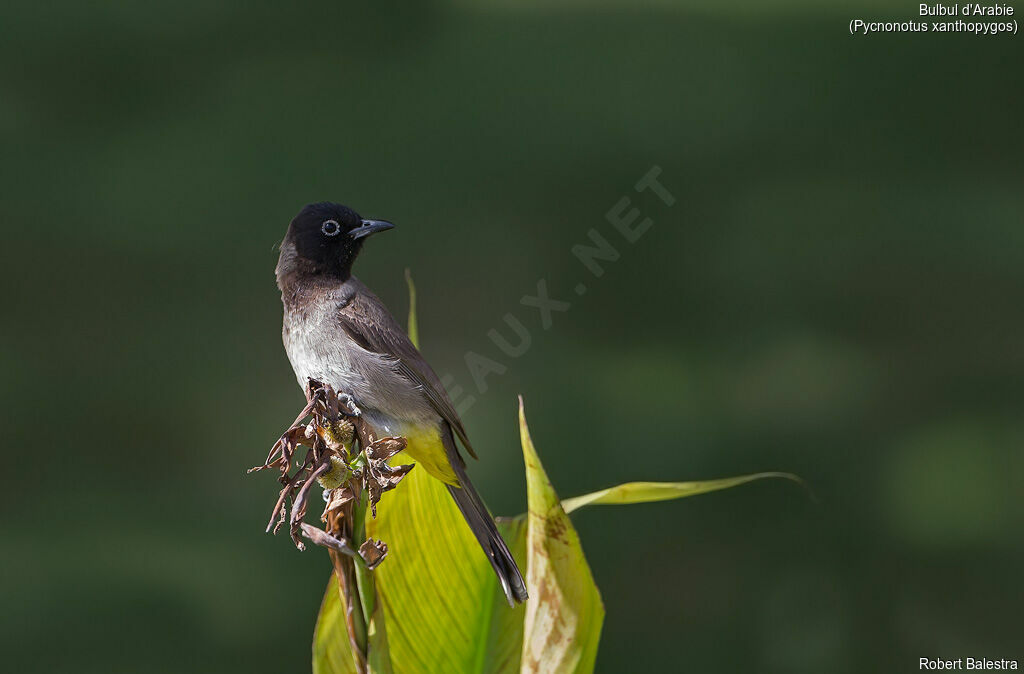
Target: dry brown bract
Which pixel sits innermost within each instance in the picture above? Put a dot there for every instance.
(346, 459)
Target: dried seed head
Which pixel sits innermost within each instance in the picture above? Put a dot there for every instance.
(337, 476)
(344, 457)
(338, 435)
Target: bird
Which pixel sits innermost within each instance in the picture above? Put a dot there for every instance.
(338, 332)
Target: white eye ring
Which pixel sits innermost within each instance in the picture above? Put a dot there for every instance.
(330, 228)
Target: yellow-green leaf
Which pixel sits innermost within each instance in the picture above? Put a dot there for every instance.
(443, 609)
(378, 656)
(438, 593)
(564, 613)
(413, 329)
(505, 640)
(646, 492)
(331, 651)
(436, 586)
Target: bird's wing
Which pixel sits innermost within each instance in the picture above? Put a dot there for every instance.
(369, 323)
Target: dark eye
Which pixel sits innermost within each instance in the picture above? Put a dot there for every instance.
(330, 228)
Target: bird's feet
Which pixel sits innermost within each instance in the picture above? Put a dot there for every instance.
(348, 405)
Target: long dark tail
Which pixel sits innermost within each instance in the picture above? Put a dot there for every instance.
(483, 527)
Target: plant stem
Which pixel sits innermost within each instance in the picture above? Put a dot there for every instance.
(356, 628)
(378, 655)
(364, 577)
(345, 570)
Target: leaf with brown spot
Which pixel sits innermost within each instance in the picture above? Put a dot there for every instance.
(564, 614)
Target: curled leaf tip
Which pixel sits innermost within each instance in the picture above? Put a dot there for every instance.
(793, 477)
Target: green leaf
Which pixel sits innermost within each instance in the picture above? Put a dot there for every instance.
(331, 651)
(505, 640)
(564, 613)
(436, 586)
(378, 653)
(442, 606)
(413, 329)
(646, 492)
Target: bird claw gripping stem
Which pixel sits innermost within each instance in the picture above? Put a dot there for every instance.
(342, 456)
(349, 404)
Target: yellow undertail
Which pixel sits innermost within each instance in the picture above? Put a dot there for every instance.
(426, 448)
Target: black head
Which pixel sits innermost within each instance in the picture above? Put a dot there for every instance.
(328, 237)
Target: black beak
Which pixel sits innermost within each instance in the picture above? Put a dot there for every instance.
(370, 227)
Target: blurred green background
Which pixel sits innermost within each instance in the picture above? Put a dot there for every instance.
(838, 291)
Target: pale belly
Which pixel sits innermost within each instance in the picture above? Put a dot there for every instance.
(318, 349)
(389, 403)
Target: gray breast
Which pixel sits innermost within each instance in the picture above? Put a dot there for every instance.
(319, 349)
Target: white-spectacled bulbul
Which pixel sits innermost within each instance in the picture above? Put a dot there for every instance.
(338, 332)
